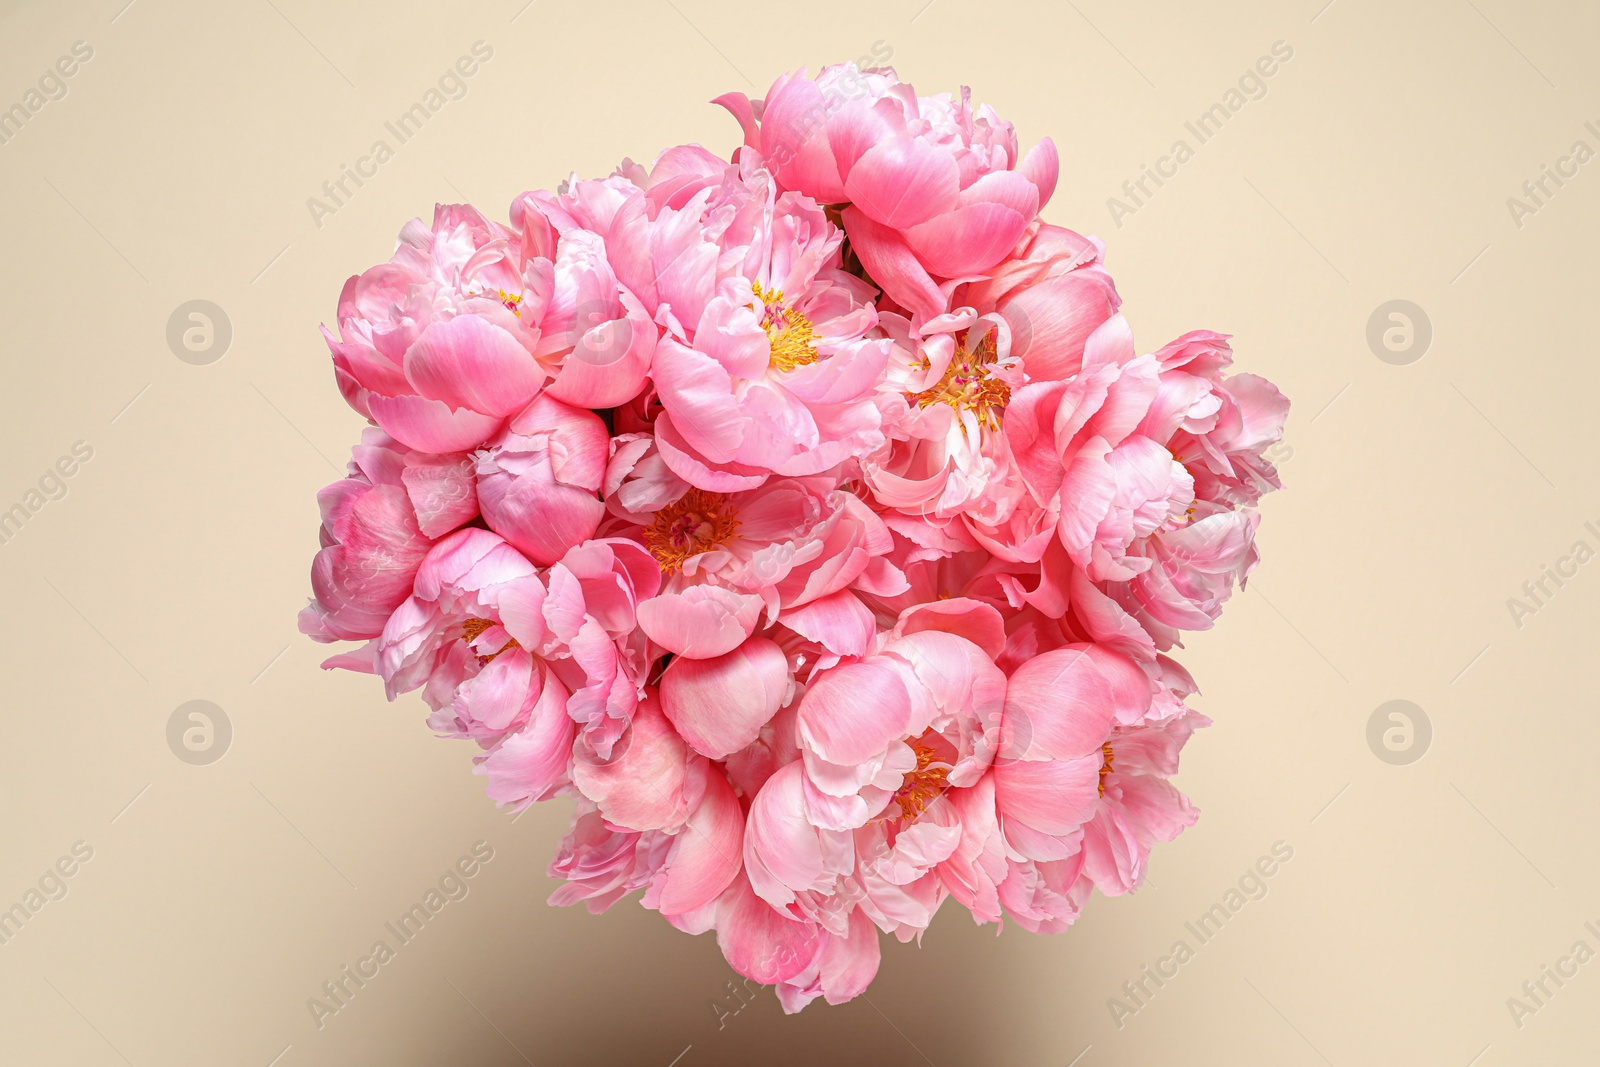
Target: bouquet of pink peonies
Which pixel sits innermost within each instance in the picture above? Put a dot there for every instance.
(809, 519)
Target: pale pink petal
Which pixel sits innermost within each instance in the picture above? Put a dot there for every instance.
(1065, 701)
(531, 764)
(1041, 166)
(466, 362)
(967, 240)
(850, 713)
(719, 705)
(839, 622)
(706, 855)
(700, 622)
(892, 264)
(759, 942)
(643, 787)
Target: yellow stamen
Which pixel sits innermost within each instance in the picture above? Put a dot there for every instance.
(1106, 767)
(967, 386)
(696, 522)
(790, 335)
(474, 628)
(923, 784)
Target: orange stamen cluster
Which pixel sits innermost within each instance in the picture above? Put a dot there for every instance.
(474, 628)
(967, 385)
(790, 334)
(696, 522)
(922, 784)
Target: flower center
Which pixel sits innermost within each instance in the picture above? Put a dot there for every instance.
(507, 300)
(967, 386)
(789, 333)
(473, 628)
(696, 522)
(922, 784)
(1106, 767)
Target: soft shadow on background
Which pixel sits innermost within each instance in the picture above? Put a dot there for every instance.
(1441, 861)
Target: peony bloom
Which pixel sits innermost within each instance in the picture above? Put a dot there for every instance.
(539, 480)
(595, 333)
(436, 346)
(516, 661)
(771, 363)
(1138, 806)
(944, 401)
(377, 524)
(862, 819)
(935, 187)
(1060, 707)
(791, 549)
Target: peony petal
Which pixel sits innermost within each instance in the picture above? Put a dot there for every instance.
(643, 786)
(467, 362)
(852, 712)
(531, 764)
(1061, 704)
(901, 181)
(700, 622)
(719, 705)
(892, 264)
(839, 622)
(1042, 166)
(706, 856)
(968, 240)
(431, 425)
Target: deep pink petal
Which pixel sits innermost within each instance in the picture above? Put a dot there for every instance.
(431, 425)
(901, 181)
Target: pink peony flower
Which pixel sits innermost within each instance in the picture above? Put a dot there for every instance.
(770, 365)
(1138, 806)
(596, 333)
(943, 400)
(935, 187)
(436, 346)
(377, 525)
(538, 481)
(1060, 707)
(791, 549)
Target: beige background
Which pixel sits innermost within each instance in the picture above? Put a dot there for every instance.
(1420, 497)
